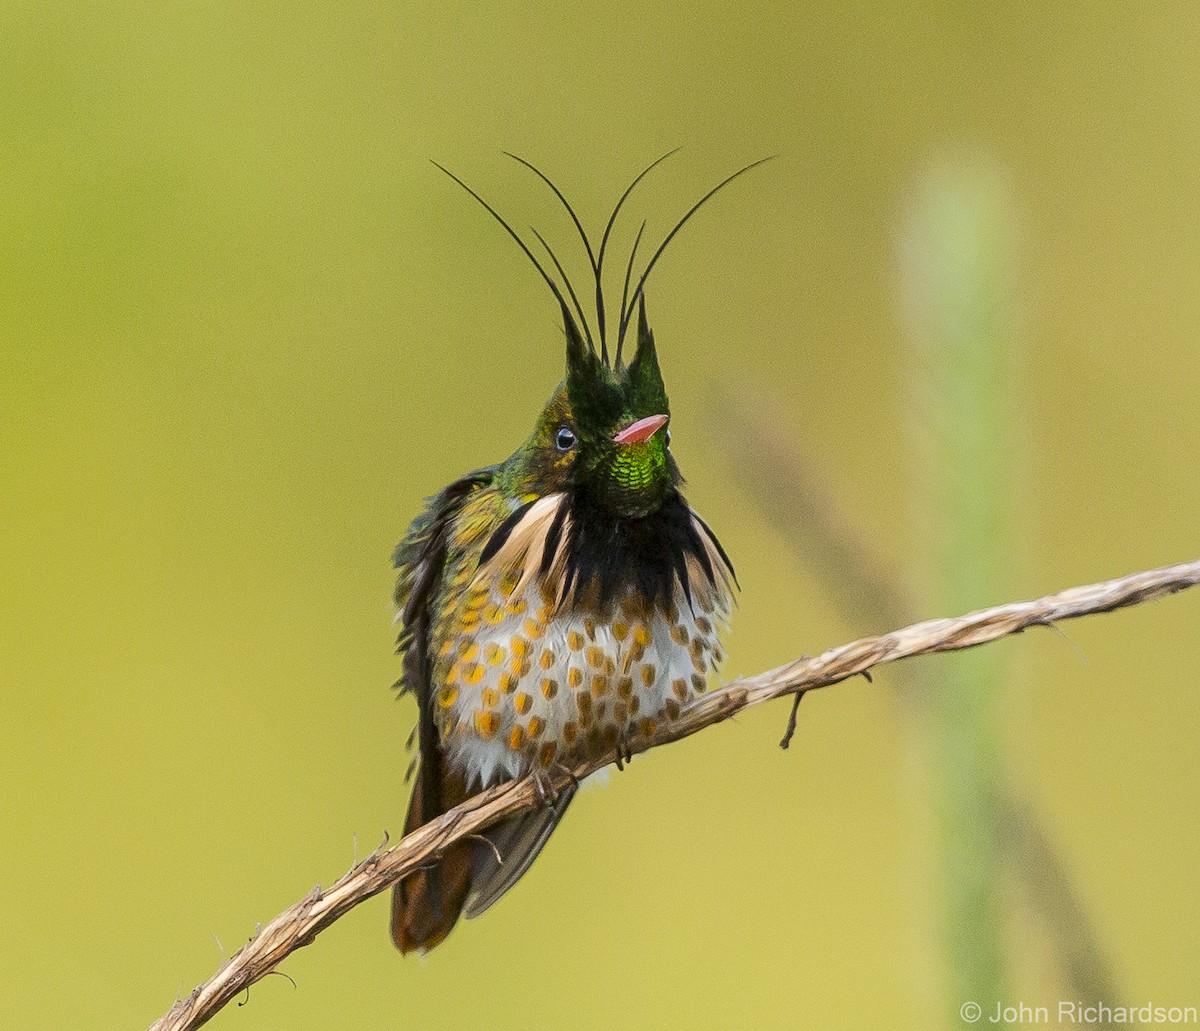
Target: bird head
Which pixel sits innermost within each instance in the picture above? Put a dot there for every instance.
(604, 433)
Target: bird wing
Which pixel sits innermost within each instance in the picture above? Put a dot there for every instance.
(516, 843)
(420, 560)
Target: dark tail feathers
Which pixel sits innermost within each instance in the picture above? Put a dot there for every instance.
(468, 879)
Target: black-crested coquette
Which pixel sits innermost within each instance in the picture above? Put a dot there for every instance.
(559, 605)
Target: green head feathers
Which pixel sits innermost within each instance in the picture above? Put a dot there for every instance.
(603, 434)
(616, 433)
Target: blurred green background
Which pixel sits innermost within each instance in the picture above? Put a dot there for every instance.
(942, 353)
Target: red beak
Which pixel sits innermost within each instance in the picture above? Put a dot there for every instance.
(641, 430)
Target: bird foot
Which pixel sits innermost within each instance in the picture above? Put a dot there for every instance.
(543, 784)
(563, 768)
(624, 749)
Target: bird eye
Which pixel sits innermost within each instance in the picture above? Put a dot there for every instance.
(667, 438)
(564, 439)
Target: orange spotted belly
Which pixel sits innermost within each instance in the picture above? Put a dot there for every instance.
(518, 684)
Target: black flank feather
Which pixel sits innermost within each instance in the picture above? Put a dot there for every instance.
(503, 532)
(553, 536)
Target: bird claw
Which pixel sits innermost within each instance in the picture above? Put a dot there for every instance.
(544, 786)
(566, 770)
(624, 750)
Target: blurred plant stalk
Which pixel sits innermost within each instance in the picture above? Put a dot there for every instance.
(958, 301)
(957, 297)
(804, 508)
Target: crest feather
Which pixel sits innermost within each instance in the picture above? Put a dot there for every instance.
(596, 258)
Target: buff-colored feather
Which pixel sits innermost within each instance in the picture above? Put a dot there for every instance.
(526, 547)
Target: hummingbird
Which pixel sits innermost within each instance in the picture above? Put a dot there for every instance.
(557, 606)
